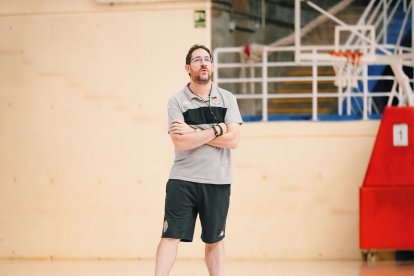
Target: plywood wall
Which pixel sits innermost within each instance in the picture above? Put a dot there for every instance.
(84, 152)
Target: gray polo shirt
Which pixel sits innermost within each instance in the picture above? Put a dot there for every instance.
(205, 164)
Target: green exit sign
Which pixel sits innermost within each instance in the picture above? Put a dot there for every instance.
(200, 18)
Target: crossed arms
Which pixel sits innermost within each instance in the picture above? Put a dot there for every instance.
(184, 137)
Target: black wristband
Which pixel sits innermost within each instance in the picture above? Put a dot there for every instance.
(221, 129)
(215, 130)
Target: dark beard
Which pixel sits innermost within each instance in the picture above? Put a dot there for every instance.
(198, 80)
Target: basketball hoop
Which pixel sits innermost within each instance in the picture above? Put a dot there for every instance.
(347, 66)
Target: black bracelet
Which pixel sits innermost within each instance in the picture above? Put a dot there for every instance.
(215, 130)
(221, 129)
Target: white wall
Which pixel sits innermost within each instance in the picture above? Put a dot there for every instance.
(84, 153)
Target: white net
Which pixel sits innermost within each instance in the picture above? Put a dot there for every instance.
(347, 66)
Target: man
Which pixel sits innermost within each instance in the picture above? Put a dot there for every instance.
(204, 125)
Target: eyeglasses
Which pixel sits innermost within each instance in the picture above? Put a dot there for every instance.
(199, 59)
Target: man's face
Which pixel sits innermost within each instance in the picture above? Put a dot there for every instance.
(200, 67)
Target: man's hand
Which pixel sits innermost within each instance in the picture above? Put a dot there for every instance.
(179, 127)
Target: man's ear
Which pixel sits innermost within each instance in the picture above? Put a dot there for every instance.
(187, 68)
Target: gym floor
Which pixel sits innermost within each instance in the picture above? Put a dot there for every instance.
(197, 268)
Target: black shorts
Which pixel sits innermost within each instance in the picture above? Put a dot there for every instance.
(185, 200)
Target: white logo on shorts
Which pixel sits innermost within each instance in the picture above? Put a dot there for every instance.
(221, 234)
(165, 227)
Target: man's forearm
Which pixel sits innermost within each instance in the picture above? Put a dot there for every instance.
(192, 140)
(229, 139)
(185, 137)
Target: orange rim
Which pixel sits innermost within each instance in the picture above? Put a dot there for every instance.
(351, 56)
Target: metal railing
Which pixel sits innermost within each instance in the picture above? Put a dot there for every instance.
(258, 76)
(265, 71)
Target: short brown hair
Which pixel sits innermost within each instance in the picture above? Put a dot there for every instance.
(192, 49)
